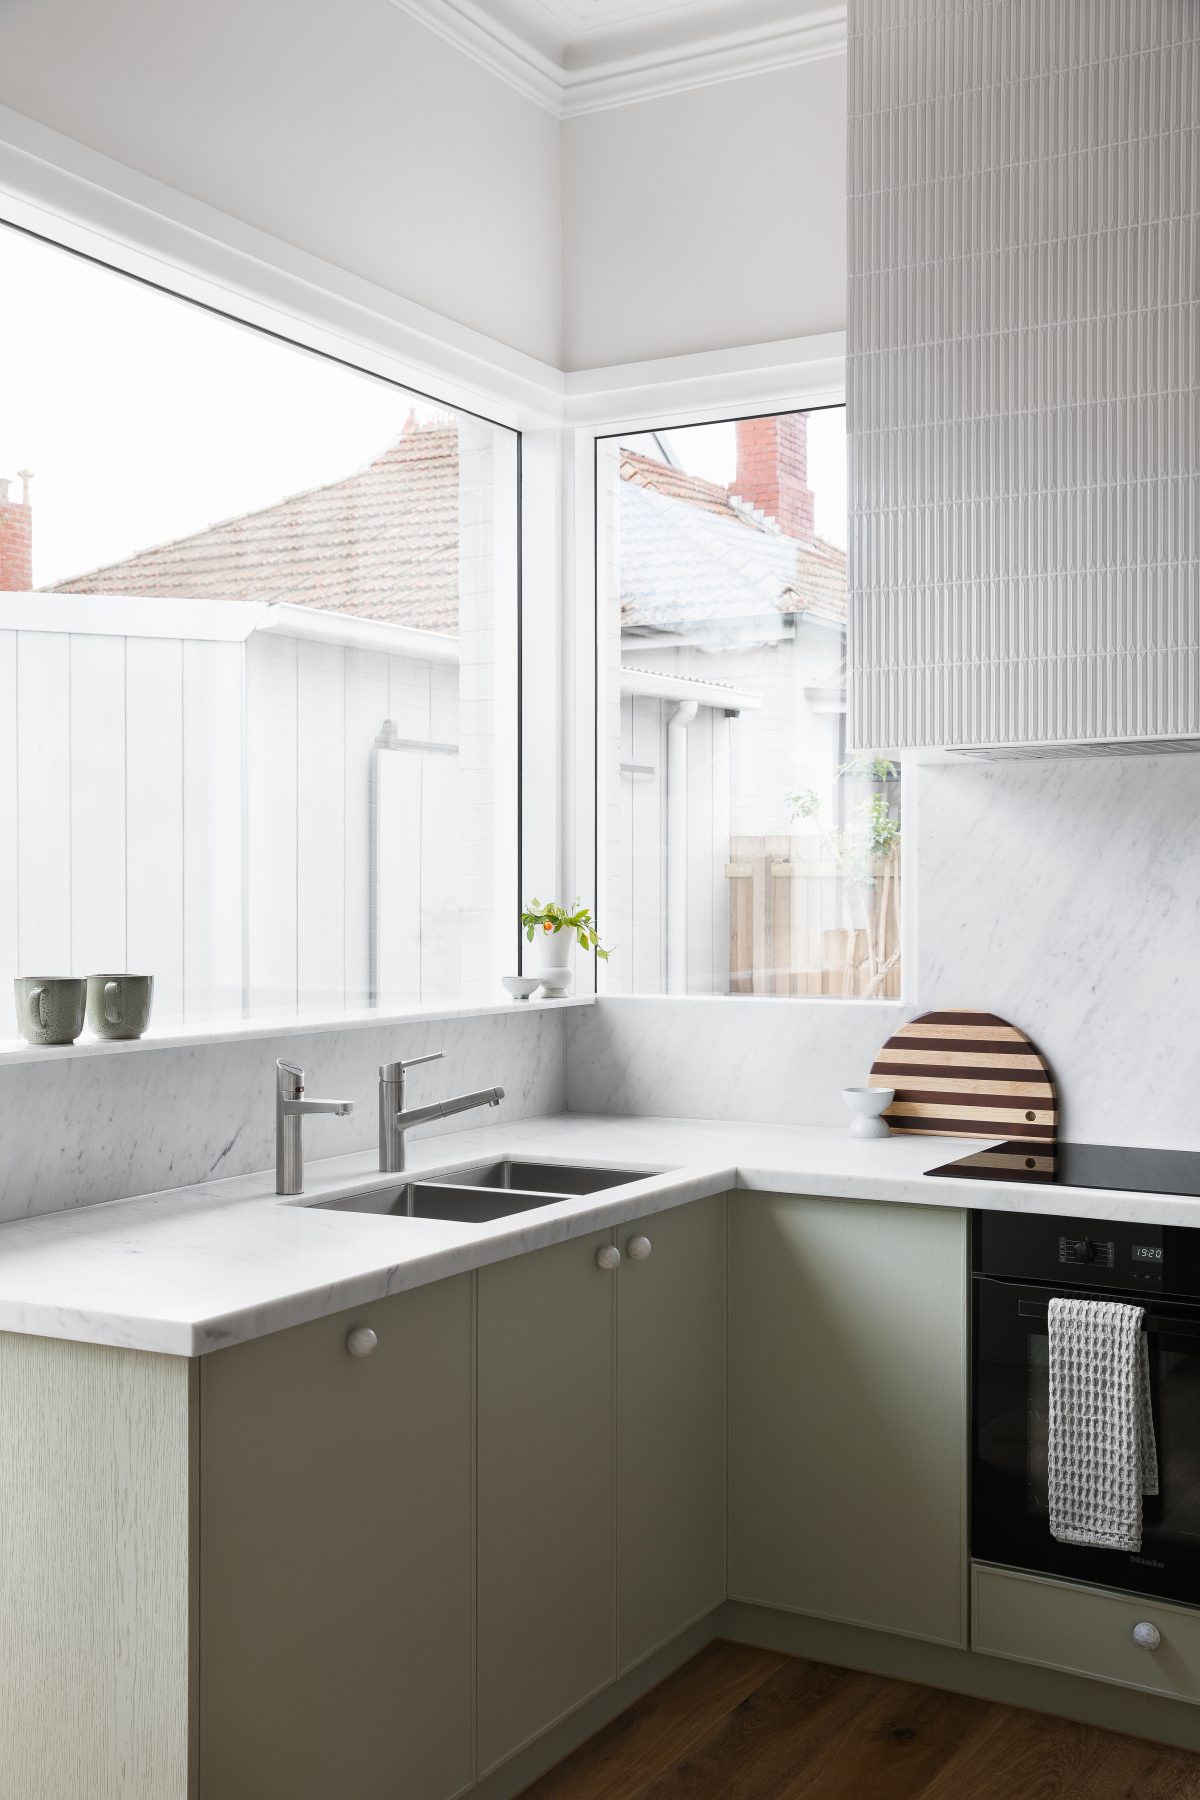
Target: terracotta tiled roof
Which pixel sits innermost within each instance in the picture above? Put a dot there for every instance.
(381, 544)
(690, 557)
(644, 471)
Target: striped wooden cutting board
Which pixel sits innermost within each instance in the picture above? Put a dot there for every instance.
(966, 1074)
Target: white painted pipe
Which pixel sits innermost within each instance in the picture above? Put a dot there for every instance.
(677, 844)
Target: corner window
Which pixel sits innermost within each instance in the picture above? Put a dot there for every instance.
(257, 655)
(742, 850)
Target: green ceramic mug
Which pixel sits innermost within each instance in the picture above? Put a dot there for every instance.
(118, 1006)
(50, 1007)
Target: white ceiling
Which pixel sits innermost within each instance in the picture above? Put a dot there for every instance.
(575, 31)
(577, 56)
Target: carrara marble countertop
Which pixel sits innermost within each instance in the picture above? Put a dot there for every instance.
(197, 1268)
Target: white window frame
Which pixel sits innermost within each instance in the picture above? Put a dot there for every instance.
(59, 189)
(73, 197)
(801, 376)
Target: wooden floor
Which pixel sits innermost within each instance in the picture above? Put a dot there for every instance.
(742, 1724)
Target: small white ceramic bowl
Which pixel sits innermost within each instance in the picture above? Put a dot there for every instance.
(864, 1104)
(521, 986)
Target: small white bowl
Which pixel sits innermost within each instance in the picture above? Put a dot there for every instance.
(521, 986)
(865, 1104)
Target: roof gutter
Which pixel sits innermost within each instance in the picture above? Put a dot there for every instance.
(321, 627)
(647, 684)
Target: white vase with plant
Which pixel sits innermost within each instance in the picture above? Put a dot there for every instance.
(550, 928)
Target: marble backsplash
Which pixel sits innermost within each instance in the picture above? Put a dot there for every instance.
(1066, 896)
(771, 1061)
(1063, 895)
(77, 1130)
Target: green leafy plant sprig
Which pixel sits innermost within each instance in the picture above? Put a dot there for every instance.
(549, 916)
(872, 833)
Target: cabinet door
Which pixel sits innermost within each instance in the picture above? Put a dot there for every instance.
(545, 1434)
(848, 1423)
(336, 1557)
(670, 1426)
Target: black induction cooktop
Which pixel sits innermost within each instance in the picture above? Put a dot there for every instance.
(1081, 1165)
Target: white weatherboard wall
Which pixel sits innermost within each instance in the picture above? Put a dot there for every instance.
(312, 719)
(636, 884)
(202, 811)
(120, 795)
(349, 131)
(1023, 371)
(75, 1130)
(706, 220)
(196, 789)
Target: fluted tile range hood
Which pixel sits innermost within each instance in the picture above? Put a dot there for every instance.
(1024, 377)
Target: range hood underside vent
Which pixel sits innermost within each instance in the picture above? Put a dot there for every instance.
(1096, 747)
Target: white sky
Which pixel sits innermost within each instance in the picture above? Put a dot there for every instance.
(144, 418)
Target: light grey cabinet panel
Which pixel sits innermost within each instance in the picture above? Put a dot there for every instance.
(670, 1425)
(94, 1599)
(336, 1570)
(848, 1424)
(545, 1473)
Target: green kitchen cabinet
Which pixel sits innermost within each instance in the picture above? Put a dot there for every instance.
(545, 1335)
(601, 1461)
(848, 1411)
(670, 1424)
(336, 1565)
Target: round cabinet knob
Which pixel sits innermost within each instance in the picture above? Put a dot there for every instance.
(607, 1256)
(361, 1341)
(1147, 1636)
(638, 1249)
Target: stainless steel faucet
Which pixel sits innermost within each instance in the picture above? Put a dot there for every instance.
(290, 1108)
(394, 1120)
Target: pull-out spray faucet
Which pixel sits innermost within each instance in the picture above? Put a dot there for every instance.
(394, 1120)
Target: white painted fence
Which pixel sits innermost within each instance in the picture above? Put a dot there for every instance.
(186, 790)
(636, 918)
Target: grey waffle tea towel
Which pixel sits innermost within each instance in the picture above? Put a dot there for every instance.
(1103, 1457)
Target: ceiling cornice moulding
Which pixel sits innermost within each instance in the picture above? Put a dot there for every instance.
(467, 28)
(622, 80)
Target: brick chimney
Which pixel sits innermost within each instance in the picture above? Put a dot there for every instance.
(16, 538)
(772, 471)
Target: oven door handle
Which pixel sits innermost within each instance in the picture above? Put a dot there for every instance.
(1186, 1327)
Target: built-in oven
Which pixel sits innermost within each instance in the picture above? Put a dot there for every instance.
(1019, 1263)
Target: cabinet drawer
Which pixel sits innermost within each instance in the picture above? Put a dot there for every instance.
(1085, 1632)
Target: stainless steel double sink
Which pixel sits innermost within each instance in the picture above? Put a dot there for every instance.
(476, 1192)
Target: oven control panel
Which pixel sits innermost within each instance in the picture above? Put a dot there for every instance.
(1110, 1254)
(1086, 1250)
(1147, 1261)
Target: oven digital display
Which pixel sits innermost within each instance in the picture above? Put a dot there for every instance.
(1147, 1253)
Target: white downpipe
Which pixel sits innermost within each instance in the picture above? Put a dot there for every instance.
(677, 803)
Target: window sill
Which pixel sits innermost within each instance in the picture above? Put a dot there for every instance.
(15, 1051)
(828, 1002)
